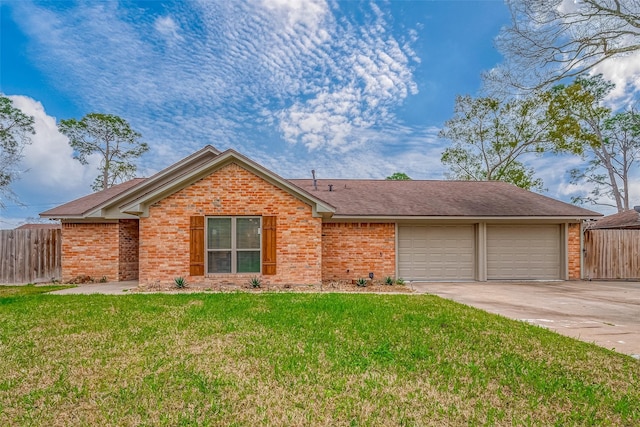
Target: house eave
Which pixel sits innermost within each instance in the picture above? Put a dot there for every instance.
(461, 218)
(140, 205)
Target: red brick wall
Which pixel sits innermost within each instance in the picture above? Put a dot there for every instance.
(574, 255)
(128, 249)
(353, 250)
(90, 250)
(232, 190)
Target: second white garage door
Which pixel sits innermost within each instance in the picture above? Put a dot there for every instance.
(436, 252)
(523, 252)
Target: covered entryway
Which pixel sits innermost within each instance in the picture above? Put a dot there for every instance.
(436, 252)
(523, 252)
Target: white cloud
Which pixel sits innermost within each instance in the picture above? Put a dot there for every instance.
(624, 72)
(293, 59)
(167, 27)
(309, 13)
(51, 174)
(415, 152)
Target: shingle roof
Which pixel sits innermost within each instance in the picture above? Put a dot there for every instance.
(87, 203)
(350, 198)
(437, 198)
(395, 198)
(625, 219)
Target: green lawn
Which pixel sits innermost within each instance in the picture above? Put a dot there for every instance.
(22, 290)
(297, 359)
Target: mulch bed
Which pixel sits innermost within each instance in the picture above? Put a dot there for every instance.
(326, 286)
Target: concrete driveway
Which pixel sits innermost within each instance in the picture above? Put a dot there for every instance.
(605, 313)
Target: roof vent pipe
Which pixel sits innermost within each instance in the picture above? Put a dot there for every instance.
(315, 183)
(636, 208)
(330, 187)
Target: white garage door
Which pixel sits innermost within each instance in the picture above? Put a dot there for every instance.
(436, 252)
(523, 252)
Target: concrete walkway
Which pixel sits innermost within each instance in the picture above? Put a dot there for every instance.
(605, 313)
(109, 288)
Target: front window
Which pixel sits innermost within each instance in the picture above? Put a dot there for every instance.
(233, 245)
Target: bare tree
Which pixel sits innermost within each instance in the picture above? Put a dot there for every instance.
(550, 40)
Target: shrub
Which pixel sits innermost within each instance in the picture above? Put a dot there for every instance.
(255, 282)
(388, 281)
(400, 281)
(180, 282)
(362, 282)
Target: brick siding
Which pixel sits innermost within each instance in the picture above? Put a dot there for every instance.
(232, 191)
(128, 249)
(90, 250)
(100, 250)
(575, 254)
(353, 250)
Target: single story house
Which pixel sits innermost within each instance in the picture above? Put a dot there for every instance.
(219, 217)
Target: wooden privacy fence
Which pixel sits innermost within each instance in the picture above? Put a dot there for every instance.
(612, 254)
(27, 256)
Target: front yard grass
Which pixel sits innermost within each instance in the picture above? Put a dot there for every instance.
(297, 359)
(30, 289)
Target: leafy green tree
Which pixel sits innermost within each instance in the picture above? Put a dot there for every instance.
(398, 176)
(491, 137)
(15, 130)
(112, 138)
(608, 142)
(552, 40)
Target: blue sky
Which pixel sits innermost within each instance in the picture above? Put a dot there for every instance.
(352, 89)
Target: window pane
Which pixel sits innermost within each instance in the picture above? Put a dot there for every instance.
(219, 233)
(219, 262)
(247, 233)
(248, 261)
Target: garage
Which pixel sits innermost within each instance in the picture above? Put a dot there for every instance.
(524, 252)
(443, 253)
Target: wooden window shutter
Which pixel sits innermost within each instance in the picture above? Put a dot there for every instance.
(196, 246)
(269, 245)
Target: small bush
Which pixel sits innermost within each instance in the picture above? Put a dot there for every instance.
(388, 281)
(180, 282)
(361, 282)
(400, 281)
(255, 282)
(103, 279)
